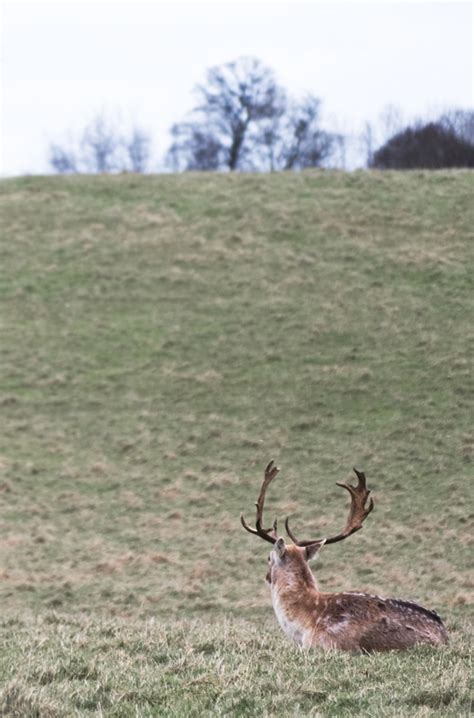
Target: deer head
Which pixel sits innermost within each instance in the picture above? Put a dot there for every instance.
(302, 551)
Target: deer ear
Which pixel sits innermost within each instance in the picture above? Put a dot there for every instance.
(280, 547)
(313, 549)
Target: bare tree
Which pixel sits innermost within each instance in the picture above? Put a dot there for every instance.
(337, 151)
(100, 145)
(390, 122)
(102, 148)
(308, 145)
(376, 133)
(269, 137)
(236, 98)
(461, 122)
(63, 160)
(367, 141)
(137, 147)
(194, 148)
(293, 139)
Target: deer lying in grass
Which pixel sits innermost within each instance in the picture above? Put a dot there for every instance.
(349, 621)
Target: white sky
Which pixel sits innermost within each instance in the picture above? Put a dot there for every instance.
(63, 62)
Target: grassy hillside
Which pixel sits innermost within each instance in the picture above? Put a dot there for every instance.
(162, 338)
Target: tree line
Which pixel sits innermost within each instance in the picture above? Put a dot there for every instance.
(245, 120)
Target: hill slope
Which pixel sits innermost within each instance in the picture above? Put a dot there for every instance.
(164, 337)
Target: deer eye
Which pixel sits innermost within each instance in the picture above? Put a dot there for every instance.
(269, 558)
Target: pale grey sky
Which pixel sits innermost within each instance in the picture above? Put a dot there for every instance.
(63, 62)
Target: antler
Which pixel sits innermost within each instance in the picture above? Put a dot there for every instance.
(268, 534)
(358, 512)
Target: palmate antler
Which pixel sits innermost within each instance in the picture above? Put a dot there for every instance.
(358, 511)
(268, 534)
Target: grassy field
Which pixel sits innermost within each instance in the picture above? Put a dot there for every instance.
(163, 338)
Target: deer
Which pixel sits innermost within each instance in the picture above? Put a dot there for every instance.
(351, 620)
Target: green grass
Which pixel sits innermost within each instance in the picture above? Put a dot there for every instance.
(162, 338)
(79, 665)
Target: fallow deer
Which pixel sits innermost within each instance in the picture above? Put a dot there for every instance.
(349, 621)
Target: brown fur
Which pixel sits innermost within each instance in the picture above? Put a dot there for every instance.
(346, 621)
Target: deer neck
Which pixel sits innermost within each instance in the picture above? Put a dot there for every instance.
(291, 583)
(295, 597)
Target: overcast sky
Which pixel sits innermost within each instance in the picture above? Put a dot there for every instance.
(63, 62)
